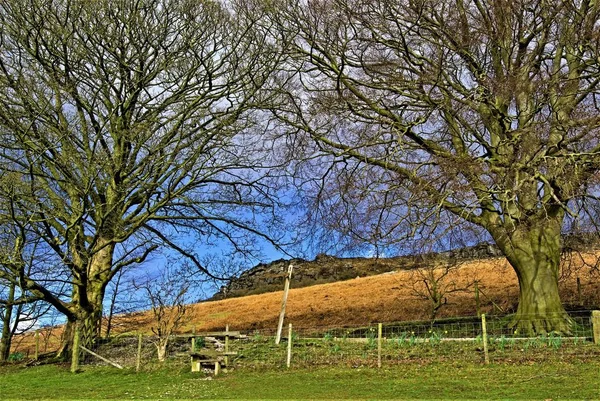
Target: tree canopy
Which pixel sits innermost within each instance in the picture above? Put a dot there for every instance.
(123, 123)
(485, 110)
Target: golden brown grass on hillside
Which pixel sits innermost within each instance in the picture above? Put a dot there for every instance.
(382, 298)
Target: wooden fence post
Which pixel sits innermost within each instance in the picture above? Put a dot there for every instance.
(579, 298)
(289, 346)
(226, 345)
(286, 289)
(477, 297)
(37, 344)
(379, 334)
(193, 345)
(75, 350)
(596, 326)
(138, 359)
(485, 339)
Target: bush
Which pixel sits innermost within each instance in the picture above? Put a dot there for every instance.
(16, 357)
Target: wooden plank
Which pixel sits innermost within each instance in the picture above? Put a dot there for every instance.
(230, 334)
(206, 361)
(116, 365)
(210, 352)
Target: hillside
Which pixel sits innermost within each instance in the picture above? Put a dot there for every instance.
(269, 277)
(387, 297)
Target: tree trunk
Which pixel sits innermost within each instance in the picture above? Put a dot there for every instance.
(161, 350)
(89, 321)
(6, 340)
(540, 308)
(90, 324)
(88, 297)
(534, 253)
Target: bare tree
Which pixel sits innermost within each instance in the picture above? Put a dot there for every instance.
(128, 124)
(20, 310)
(434, 283)
(428, 113)
(168, 295)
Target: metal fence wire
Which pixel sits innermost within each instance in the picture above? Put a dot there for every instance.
(362, 345)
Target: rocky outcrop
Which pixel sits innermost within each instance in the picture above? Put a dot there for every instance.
(326, 269)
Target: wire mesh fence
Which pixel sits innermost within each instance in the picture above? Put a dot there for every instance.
(401, 342)
(365, 345)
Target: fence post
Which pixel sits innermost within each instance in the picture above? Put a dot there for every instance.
(286, 290)
(579, 298)
(379, 334)
(289, 346)
(226, 345)
(596, 326)
(485, 339)
(193, 345)
(75, 350)
(138, 359)
(477, 297)
(37, 344)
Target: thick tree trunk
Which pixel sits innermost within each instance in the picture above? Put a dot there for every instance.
(534, 252)
(6, 340)
(88, 319)
(90, 324)
(88, 296)
(540, 309)
(89, 329)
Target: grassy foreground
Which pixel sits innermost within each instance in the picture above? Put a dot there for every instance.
(410, 381)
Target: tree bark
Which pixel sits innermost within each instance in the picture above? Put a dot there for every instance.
(6, 341)
(161, 350)
(87, 313)
(534, 251)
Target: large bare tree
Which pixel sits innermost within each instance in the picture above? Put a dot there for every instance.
(127, 124)
(485, 111)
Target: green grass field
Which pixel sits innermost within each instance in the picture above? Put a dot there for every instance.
(456, 380)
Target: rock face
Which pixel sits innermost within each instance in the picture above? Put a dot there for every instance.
(326, 269)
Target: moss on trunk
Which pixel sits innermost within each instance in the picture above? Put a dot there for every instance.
(534, 252)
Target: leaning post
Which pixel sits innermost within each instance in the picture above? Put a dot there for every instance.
(286, 289)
